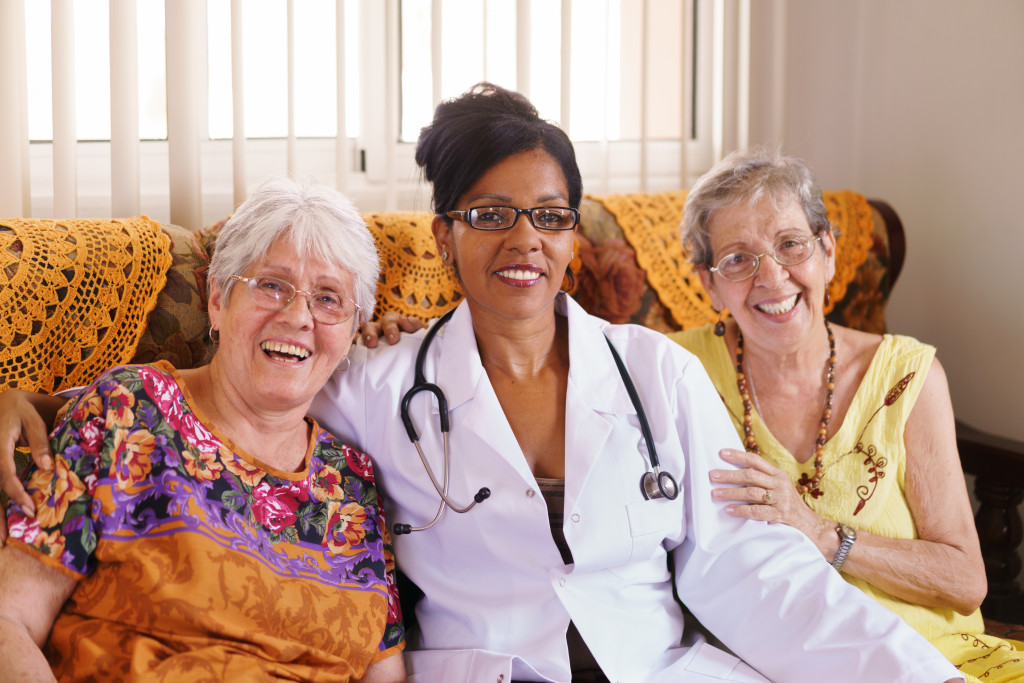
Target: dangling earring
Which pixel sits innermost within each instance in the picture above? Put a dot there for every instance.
(828, 296)
(214, 335)
(444, 257)
(719, 326)
(344, 365)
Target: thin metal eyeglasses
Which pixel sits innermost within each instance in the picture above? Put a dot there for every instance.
(789, 251)
(274, 294)
(504, 217)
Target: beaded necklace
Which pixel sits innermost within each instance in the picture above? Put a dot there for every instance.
(805, 484)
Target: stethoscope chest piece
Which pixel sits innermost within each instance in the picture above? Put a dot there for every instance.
(658, 484)
(654, 483)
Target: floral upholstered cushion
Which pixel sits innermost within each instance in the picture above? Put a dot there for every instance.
(177, 326)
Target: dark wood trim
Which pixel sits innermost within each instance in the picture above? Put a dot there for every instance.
(998, 465)
(897, 239)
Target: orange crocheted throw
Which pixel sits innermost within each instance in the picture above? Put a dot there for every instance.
(74, 296)
(413, 279)
(651, 222)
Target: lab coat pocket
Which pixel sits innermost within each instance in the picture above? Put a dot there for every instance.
(650, 521)
(710, 662)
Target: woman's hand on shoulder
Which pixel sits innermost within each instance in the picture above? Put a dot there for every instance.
(759, 490)
(389, 326)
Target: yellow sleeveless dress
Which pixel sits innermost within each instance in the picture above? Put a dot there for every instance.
(863, 484)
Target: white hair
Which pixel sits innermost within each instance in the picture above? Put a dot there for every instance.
(318, 221)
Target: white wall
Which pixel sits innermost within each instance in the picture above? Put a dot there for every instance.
(920, 103)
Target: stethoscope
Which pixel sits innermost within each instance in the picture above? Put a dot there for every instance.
(653, 483)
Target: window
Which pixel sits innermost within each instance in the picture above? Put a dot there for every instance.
(629, 80)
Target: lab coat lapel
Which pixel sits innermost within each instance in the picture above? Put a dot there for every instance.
(595, 394)
(466, 384)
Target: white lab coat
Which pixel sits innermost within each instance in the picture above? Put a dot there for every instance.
(498, 596)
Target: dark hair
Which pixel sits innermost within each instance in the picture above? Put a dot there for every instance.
(477, 130)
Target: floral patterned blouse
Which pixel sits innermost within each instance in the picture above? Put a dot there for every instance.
(193, 560)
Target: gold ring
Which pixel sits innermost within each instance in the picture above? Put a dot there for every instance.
(766, 499)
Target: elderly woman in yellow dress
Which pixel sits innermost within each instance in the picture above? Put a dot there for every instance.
(195, 524)
(849, 436)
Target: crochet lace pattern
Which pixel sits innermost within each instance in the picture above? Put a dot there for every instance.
(74, 296)
(413, 280)
(651, 224)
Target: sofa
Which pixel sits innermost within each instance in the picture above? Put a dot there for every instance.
(82, 295)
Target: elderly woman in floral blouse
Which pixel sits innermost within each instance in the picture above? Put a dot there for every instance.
(195, 523)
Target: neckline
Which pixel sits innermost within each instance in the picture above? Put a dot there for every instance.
(193, 407)
(765, 437)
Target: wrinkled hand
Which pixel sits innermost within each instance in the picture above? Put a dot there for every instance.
(20, 425)
(767, 490)
(390, 326)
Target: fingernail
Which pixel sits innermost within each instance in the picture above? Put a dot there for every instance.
(716, 476)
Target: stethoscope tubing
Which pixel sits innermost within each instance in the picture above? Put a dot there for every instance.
(421, 384)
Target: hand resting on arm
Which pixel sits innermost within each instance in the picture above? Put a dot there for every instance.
(25, 420)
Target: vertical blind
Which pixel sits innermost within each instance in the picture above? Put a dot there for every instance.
(649, 71)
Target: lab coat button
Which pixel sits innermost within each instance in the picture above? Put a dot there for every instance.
(501, 677)
(530, 493)
(575, 518)
(561, 582)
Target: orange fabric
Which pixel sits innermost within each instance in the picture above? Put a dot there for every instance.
(74, 296)
(413, 280)
(651, 224)
(170, 613)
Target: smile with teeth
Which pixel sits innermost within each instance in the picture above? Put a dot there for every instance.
(519, 274)
(779, 308)
(285, 352)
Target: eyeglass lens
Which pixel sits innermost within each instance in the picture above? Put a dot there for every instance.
(542, 217)
(788, 252)
(326, 306)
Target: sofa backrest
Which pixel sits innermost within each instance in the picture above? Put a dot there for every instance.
(629, 266)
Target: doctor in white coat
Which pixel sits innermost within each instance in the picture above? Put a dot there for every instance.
(539, 414)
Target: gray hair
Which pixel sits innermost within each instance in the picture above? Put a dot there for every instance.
(320, 222)
(748, 176)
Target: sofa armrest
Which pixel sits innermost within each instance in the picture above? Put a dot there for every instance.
(998, 465)
(895, 237)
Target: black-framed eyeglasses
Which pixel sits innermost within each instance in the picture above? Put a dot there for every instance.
(789, 251)
(504, 217)
(274, 294)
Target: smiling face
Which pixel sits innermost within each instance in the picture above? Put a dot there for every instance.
(280, 359)
(778, 306)
(514, 273)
